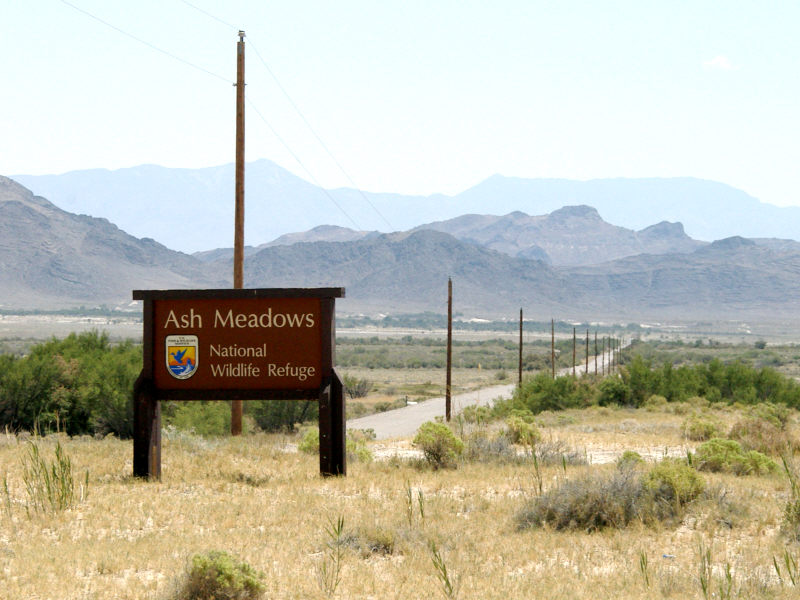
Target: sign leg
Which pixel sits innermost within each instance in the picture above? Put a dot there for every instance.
(146, 431)
(332, 429)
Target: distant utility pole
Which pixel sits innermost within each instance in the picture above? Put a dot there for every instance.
(553, 346)
(603, 355)
(574, 347)
(519, 379)
(447, 404)
(587, 352)
(238, 236)
(595, 352)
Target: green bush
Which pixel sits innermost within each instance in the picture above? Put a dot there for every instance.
(200, 417)
(81, 384)
(476, 414)
(217, 575)
(356, 450)
(612, 390)
(522, 432)
(309, 443)
(700, 428)
(439, 444)
(355, 445)
(542, 392)
(356, 388)
(673, 480)
(777, 414)
(276, 415)
(629, 459)
(655, 403)
(727, 456)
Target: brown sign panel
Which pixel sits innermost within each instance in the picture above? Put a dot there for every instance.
(237, 343)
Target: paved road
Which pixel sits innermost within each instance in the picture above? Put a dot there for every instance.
(404, 422)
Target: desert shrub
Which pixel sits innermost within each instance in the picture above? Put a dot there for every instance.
(481, 447)
(524, 414)
(727, 456)
(725, 508)
(217, 575)
(276, 415)
(356, 450)
(356, 388)
(50, 485)
(361, 435)
(373, 540)
(790, 525)
(475, 414)
(629, 459)
(612, 390)
(673, 480)
(595, 502)
(699, 428)
(542, 392)
(655, 403)
(439, 444)
(309, 443)
(81, 384)
(200, 417)
(557, 452)
(777, 414)
(355, 444)
(355, 410)
(501, 375)
(762, 435)
(522, 432)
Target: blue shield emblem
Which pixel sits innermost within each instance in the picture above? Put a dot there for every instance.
(182, 355)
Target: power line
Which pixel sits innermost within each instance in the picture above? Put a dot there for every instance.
(300, 162)
(319, 139)
(208, 14)
(298, 111)
(146, 43)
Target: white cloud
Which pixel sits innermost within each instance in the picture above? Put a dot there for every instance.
(719, 62)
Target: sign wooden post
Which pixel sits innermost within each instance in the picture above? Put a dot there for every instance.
(238, 344)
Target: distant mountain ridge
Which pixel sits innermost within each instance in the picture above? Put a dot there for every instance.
(570, 236)
(187, 209)
(50, 258)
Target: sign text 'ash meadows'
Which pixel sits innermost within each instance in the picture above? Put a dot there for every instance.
(233, 320)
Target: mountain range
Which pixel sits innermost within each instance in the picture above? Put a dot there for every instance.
(187, 209)
(582, 266)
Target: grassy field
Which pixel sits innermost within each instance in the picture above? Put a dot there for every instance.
(408, 531)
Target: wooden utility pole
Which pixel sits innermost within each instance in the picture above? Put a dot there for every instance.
(238, 236)
(447, 407)
(595, 353)
(574, 348)
(603, 356)
(587, 352)
(519, 379)
(553, 346)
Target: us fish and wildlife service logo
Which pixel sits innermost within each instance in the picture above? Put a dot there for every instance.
(182, 355)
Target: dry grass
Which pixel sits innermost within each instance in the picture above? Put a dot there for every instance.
(269, 507)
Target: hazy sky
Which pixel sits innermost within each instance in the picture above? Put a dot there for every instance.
(411, 97)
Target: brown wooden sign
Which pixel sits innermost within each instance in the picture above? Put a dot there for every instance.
(238, 344)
